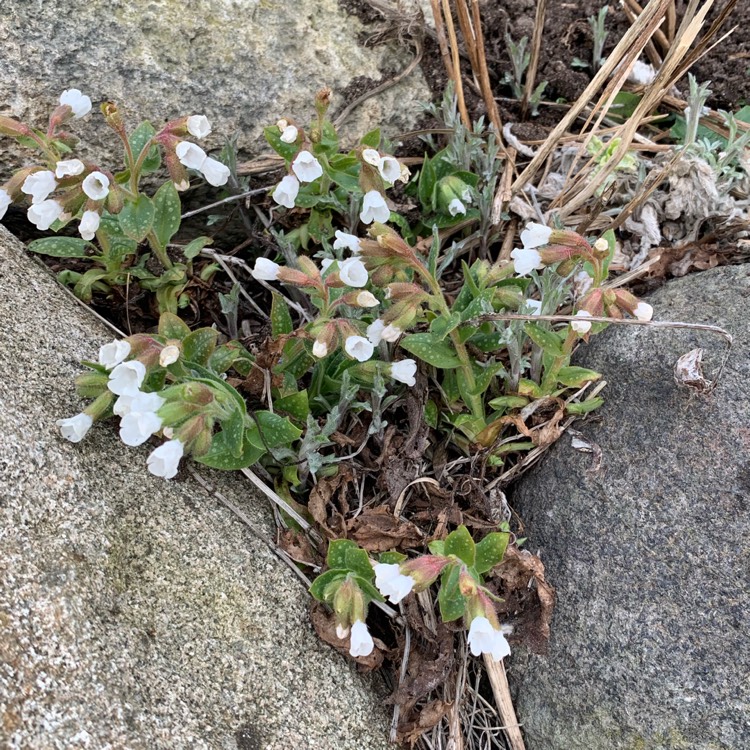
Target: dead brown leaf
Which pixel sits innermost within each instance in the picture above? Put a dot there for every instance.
(324, 623)
(427, 718)
(377, 530)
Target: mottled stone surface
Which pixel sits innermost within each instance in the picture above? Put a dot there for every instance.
(243, 63)
(651, 553)
(134, 612)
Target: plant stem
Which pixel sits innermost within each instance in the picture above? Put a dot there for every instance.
(159, 251)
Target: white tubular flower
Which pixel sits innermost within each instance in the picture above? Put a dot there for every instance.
(169, 355)
(341, 632)
(375, 332)
(286, 191)
(584, 326)
(39, 185)
(535, 235)
(405, 174)
(126, 379)
(641, 74)
(215, 172)
(5, 201)
(320, 349)
(306, 167)
(601, 245)
(325, 264)
(78, 102)
(89, 224)
(390, 169)
(391, 333)
(346, 241)
(281, 124)
(374, 208)
(137, 427)
(190, 155)
(165, 460)
(353, 273)
(289, 134)
(139, 402)
(69, 168)
(581, 284)
(110, 355)
(359, 348)
(265, 270)
(404, 371)
(533, 306)
(44, 214)
(367, 299)
(526, 260)
(391, 582)
(371, 156)
(361, 643)
(75, 428)
(198, 126)
(455, 207)
(96, 186)
(484, 639)
(643, 311)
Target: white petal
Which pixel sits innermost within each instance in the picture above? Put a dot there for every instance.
(286, 191)
(361, 643)
(265, 270)
(44, 214)
(216, 173)
(535, 235)
(643, 311)
(96, 186)
(306, 167)
(289, 135)
(39, 185)
(526, 260)
(359, 348)
(404, 371)
(5, 201)
(198, 126)
(165, 460)
(375, 331)
(353, 273)
(374, 208)
(455, 207)
(69, 168)
(75, 428)
(583, 326)
(320, 349)
(390, 169)
(190, 155)
(110, 355)
(127, 378)
(347, 241)
(89, 224)
(137, 427)
(78, 102)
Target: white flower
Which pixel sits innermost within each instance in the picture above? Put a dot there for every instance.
(484, 639)
(44, 214)
(39, 185)
(346, 241)
(78, 102)
(320, 349)
(136, 427)
(281, 124)
(69, 168)
(215, 172)
(265, 270)
(361, 643)
(390, 169)
(325, 264)
(583, 326)
(405, 174)
(169, 355)
(601, 245)
(391, 333)
(353, 272)
(371, 156)
(534, 306)
(5, 201)
(643, 311)
(456, 207)
(75, 428)
(190, 155)
(139, 401)
(306, 167)
(286, 191)
(375, 331)
(374, 208)
(391, 582)
(581, 284)
(341, 631)
(89, 224)
(289, 134)
(110, 355)
(359, 348)
(535, 235)
(126, 379)
(367, 299)
(165, 460)
(404, 371)
(641, 74)
(526, 260)
(198, 126)
(96, 186)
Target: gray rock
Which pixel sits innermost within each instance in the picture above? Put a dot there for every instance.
(243, 63)
(134, 612)
(650, 554)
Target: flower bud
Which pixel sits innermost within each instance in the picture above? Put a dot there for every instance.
(113, 117)
(91, 384)
(13, 128)
(189, 433)
(453, 192)
(323, 101)
(424, 570)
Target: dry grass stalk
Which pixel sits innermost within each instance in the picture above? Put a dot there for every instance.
(536, 48)
(483, 74)
(501, 691)
(456, 63)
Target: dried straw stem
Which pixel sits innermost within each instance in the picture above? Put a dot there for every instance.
(501, 691)
(536, 48)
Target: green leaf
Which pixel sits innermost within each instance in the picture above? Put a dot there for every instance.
(575, 377)
(193, 248)
(426, 185)
(272, 430)
(371, 139)
(429, 348)
(483, 376)
(61, 247)
(491, 550)
(281, 319)
(220, 455)
(431, 414)
(137, 218)
(336, 556)
(287, 150)
(296, 405)
(437, 547)
(443, 325)
(358, 562)
(234, 429)
(199, 345)
(547, 340)
(172, 327)
(452, 603)
(508, 402)
(167, 212)
(84, 288)
(323, 581)
(460, 544)
(391, 558)
(584, 407)
(370, 592)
